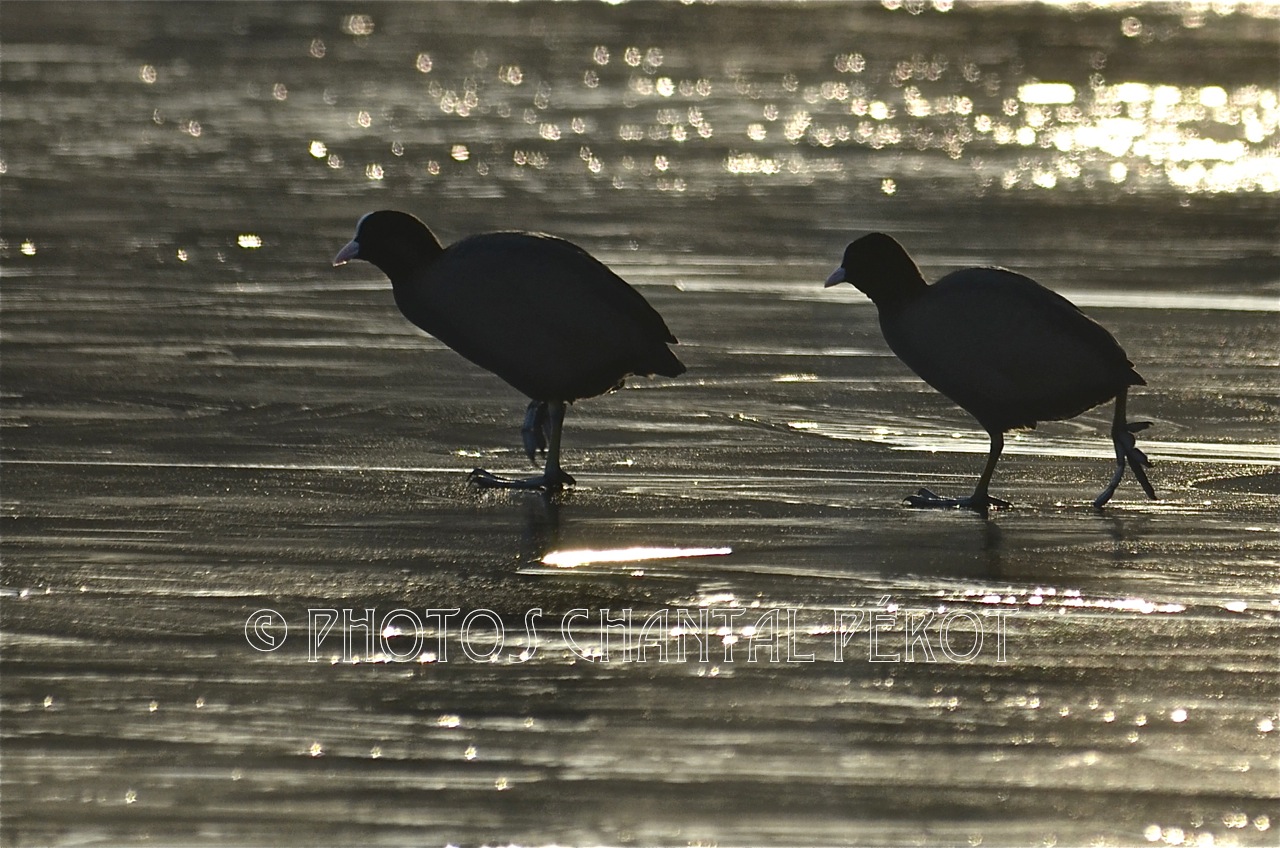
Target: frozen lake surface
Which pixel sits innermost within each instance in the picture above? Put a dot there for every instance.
(732, 631)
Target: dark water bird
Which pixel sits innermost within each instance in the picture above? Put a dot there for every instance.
(1005, 348)
(538, 311)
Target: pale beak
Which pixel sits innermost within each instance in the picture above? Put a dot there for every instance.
(837, 277)
(351, 251)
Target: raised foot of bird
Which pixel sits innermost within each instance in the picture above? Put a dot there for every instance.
(548, 483)
(925, 499)
(536, 430)
(1128, 453)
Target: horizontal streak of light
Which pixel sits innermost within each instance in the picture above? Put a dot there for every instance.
(1238, 454)
(575, 558)
(1137, 299)
(233, 466)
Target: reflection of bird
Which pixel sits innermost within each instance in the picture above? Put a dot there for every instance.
(1005, 348)
(538, 311)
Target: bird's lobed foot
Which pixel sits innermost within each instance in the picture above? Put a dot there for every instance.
(1128, 453)
(536, 430)
(925, 499)
(1137, 460)
(543, 482)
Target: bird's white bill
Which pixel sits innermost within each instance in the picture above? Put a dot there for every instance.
(837, 277)
(351, 251)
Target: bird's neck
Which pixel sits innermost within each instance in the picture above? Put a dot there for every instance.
(408, 268)
(405, 264)
(412, 300)
(899, 290)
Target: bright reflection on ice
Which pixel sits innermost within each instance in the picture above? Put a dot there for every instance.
(575, 558)
(1072, 598)
(1047, 92)
(1013, 132)
(974, 441)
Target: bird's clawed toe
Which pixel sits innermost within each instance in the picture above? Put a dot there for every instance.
(487, 479)
(557, 481)
(926, 499)
(550, 482)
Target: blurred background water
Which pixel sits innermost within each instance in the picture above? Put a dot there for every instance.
(202, 419)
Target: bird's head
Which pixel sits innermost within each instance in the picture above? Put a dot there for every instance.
(395, 242)
(880, 268)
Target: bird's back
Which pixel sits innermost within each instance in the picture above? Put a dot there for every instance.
(1007, 349)
(542, 314)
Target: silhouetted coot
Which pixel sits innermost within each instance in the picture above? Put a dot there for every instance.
(1005, 348)
(538, 311)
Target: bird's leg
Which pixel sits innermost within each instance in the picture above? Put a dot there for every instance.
(547, 419)
(1127, 453)
(980, 500)
(554, 477)
(1117, 424)
(535, 428)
